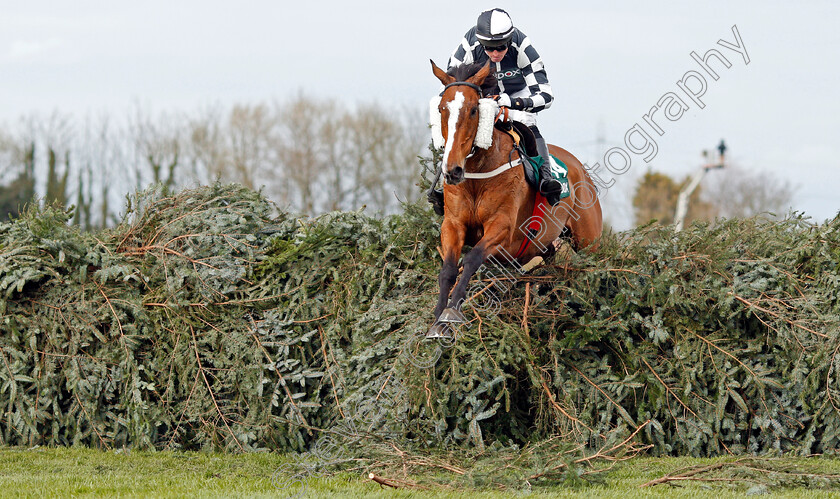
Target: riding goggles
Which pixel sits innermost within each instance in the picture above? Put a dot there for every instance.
(500, 48)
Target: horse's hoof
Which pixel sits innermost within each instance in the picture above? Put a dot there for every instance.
(439, 331)
(452, 315)
(532, 264)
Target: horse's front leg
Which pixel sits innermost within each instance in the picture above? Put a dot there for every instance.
(452, 236)
(495, 233)
(452, 242)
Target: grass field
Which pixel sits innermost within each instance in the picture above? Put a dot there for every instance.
(62, 472)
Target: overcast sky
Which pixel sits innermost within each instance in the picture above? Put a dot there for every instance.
(608, 64)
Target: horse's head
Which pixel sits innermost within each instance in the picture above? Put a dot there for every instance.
(459, 119)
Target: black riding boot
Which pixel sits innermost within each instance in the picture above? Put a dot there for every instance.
(549, 187)
(435, 197)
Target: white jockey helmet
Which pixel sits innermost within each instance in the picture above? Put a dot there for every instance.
(494, 28)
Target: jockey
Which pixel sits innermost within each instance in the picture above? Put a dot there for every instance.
(522, 83)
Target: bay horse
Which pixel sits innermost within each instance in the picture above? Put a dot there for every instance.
(488, 204)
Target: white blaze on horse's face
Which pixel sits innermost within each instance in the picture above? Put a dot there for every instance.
(454, 107)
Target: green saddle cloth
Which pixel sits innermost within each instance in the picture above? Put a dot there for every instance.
(559, 171)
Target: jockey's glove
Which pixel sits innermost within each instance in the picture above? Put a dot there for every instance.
(505, 101)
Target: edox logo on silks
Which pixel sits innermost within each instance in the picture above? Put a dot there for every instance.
(507, 75)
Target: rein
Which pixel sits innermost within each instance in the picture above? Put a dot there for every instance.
(499, 170)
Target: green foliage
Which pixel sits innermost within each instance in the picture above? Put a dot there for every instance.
(105, 337)
(207, 321)
(723, 337)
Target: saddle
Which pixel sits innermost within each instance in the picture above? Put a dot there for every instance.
(528, 140)
(524, 138)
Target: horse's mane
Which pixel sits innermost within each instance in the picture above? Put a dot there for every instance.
(466, 71)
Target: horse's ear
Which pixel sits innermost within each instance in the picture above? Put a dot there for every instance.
(482, 74)
(441, 74)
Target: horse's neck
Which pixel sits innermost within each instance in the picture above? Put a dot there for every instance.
(498, 153)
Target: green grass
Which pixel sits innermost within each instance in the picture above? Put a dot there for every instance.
(62, 472)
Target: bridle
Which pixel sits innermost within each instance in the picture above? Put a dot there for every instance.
(465, 84)
(475, 87)
(516, 148)
(501, 169)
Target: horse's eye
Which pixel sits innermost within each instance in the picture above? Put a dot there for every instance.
(473, 111)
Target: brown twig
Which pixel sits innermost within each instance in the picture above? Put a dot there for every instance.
(312, 320)
(602, 454)
(683, 476)
(274, 368)
(328, 370)
(210, 390)
(557, 406)
(186, 406)
(668, 388)
(116, 318)
(525, 308)
(426, 462)
(621, 411)
(92, 423)
(383, 482)
(746, 463)
(753, 305)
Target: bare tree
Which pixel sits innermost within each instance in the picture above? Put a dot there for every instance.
(737, 193)
(299, 147)
(369, 134)
(411, 142)
(207, 147)
(312, 155)
(103, 172)
(656, 198)
(10, 157)
(50, 141)
(382, 153)
(336, 139)
(157, 144)
(17, 174)
(251, 130)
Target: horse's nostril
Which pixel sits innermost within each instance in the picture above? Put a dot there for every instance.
(454, 176)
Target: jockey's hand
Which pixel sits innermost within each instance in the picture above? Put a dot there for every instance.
(505, 101)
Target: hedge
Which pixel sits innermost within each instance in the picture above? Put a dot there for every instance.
(209, 320)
